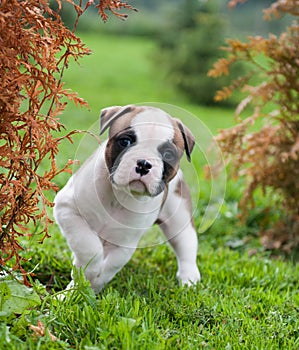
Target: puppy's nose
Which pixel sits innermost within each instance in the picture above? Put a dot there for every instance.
(143, 167)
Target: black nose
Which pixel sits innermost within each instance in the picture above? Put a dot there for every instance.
(143, 167)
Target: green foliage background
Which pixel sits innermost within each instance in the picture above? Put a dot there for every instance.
(190, 45)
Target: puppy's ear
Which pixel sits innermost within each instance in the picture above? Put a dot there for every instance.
(189, 139)
(110, 114)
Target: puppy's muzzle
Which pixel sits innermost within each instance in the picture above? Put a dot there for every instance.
(143, 167)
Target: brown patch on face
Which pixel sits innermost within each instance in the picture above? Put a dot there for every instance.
(176, 147)
(118, 118)
(171, 160)
(183, 191)
(124, 121)
(117, 146)
(109, 156)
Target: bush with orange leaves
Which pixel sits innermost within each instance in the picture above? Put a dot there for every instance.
(35, 49)
(267, 158)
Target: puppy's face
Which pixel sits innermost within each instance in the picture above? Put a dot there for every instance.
(144, 148)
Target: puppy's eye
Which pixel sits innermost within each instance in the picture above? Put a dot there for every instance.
(168, 155)
(125, 141)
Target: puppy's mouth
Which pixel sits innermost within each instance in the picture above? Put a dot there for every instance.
(137, 187)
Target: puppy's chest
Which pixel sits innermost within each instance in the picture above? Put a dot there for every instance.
(131, 215)
(123, 222)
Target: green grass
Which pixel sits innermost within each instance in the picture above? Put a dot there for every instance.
(245, 300)
(120, 71)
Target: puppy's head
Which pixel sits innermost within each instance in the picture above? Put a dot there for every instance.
(144, 148)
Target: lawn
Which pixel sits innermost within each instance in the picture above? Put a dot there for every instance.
(246, 300)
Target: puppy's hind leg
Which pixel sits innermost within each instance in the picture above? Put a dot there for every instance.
(85, 244)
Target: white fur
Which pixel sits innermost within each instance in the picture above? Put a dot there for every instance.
(103, 222)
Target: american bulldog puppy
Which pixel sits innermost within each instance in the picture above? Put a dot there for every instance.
(132, 181)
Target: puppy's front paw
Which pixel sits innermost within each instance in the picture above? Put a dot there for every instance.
(189, 277)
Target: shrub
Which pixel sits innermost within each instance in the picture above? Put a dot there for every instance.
(35, 49)
(188, 48)
(268, 157)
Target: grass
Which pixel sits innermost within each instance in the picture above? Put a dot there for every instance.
(120, 71)
(245, 300)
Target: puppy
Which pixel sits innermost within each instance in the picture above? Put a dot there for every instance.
(131, 182)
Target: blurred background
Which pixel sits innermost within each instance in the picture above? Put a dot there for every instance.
(186, 34)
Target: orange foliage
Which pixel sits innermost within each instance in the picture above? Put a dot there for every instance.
(269, 157)
(113, 6)
(35, 48)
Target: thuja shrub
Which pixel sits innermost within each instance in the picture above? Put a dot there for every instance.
(268, 157)
(35, 49)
